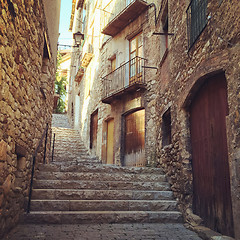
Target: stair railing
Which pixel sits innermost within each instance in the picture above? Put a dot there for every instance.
(54, 136)
(45, 134)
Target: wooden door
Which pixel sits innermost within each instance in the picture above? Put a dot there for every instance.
(110, 141)
(93, 130)
(211, 178)
(134, 154)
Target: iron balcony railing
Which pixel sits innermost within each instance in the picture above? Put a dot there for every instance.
(196, 19)
(127, 75)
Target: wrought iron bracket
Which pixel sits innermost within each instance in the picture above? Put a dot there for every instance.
(163, 33)
(150, 67)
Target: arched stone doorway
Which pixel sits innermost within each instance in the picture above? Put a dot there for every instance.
(211, 178)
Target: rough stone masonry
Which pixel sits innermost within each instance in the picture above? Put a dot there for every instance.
(26, 87)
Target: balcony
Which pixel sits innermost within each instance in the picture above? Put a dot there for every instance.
(127, 78)
(79, 75)
(127, 15)
(87, 56)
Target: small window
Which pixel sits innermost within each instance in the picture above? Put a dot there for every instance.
(83, 19)
(196, 19)
(128, 2)
(164, 41)
(165, 25)
(166, 128)
(113, 64)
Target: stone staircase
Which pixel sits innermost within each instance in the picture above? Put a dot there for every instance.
(76, 188)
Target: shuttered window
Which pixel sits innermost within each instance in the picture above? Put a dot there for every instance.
(196, 19)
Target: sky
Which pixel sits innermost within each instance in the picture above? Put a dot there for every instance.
(65, 14)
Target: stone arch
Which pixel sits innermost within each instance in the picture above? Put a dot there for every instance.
(196, 84)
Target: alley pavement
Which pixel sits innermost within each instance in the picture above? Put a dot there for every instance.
(40, 226)
(136, 231)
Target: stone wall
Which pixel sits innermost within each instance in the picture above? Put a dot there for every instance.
(217, 49)
(26, 99)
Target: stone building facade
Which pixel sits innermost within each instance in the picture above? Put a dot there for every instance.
(89, 107)
(28, 49)
(197, 107)
(161, 88)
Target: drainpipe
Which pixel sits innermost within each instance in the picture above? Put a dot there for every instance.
(155, 11)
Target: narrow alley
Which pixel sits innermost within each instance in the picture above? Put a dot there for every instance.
(97, 201)
(120, 119)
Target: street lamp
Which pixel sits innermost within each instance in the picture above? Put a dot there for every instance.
(78, 37)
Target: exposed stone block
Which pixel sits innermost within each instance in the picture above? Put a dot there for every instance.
(3, 151)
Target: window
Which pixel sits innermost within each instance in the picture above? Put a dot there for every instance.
(83, 19)
(136, 51)
(136, 46)
(196, 19)
(166, 128)
(113, 64)
(128, 2)
(107, 11)
(164, 41)
(164, 21)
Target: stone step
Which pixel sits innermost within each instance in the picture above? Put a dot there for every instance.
(77, 188)
(128, 177)
(77, 159)
(103, 205)
(76, 217)
(78, 166)
(73, 145)
(69, 160)
(63, 130)
(89, 194)
(74, 151)
(98, 185)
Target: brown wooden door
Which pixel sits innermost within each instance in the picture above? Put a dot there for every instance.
(110, 141)
(135, 139)
(211, 180)
(93, 130)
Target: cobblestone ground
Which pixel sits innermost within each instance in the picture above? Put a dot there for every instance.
(145, 231)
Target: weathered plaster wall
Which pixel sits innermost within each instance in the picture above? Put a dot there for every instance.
(217, 49)
(119, 46)
(100, 65)
(26, 99)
